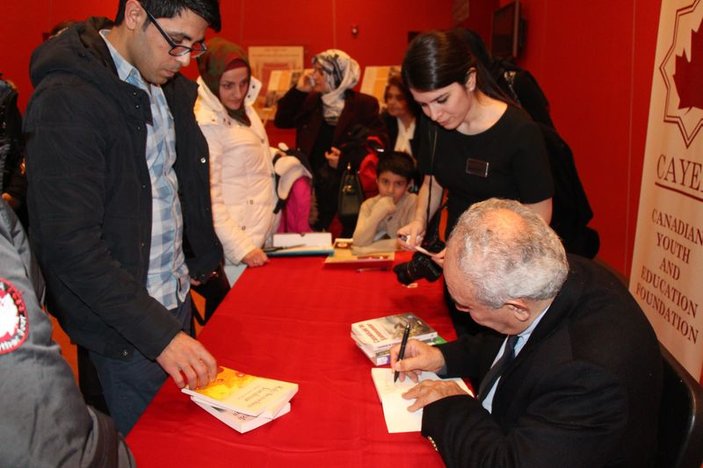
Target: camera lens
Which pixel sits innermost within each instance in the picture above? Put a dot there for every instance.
(420, 267)
(402, 272)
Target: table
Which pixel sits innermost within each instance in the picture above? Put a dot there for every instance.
(290, 320)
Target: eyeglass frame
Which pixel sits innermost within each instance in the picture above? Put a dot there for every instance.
(194, 52)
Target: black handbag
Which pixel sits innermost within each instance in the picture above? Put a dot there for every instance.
(351, 195)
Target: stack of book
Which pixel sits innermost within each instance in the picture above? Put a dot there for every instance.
(242, 401)
(375, 337)
(291, 244)
(346, 254)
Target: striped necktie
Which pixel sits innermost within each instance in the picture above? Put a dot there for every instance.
(494, 372)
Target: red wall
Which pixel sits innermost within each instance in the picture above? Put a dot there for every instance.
(317, 25)
(595, 62)
(593, 59)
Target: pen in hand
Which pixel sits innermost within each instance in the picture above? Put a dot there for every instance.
(401, 353)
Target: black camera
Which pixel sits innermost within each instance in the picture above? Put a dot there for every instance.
(421, 266)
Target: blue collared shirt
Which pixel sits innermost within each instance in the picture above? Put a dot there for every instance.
(167, 277)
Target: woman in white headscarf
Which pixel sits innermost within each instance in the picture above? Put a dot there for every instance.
(324, 109)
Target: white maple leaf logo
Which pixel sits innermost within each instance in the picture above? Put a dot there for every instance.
(9, 316)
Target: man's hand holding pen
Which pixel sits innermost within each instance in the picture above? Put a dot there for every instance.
(420, 357)
(403, 344)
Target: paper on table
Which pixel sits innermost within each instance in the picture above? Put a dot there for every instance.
(395, 407)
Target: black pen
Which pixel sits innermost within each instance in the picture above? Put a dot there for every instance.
(401, 354)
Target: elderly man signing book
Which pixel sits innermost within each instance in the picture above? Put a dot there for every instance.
(575, 374)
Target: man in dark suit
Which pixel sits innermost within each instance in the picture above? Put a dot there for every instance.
(577, 380)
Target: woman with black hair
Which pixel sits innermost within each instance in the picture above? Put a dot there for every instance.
(479, 145)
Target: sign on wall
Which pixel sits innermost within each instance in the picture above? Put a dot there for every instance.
(667, 268)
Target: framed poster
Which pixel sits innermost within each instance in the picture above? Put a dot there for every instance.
(375, 79)
(266, 59)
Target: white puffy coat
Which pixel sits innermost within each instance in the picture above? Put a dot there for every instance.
(241, 174)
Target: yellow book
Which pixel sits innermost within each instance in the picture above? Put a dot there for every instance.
(244, 393)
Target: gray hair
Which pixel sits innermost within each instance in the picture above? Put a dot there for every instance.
(506, 251)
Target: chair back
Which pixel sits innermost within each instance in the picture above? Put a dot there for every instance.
(680, 434)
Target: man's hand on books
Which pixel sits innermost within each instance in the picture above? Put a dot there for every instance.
(185, 356)
(429, 391)
(419, 357)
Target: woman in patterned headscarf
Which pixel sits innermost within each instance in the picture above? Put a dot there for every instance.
(324, 109)
(241, 167)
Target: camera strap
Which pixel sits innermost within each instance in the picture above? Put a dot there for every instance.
(432, 156)
(432, 229)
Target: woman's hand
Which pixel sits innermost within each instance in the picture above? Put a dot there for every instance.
(333, 157)
(411, 234)
(438, 258)
(306, 82)
(255, 258)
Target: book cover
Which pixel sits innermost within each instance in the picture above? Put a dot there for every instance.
(395, 407)
(239, 421)
(383, 357)
(244, 393)
(383, 332)
(346, 255)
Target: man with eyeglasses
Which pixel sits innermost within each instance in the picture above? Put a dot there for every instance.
(120, 205)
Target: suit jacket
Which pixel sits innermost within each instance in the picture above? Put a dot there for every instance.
(582, 392)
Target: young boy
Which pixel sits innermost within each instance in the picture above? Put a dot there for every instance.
(393, 207)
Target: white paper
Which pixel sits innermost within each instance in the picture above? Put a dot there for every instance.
(239, 421)
(395, 407)
(308, 239)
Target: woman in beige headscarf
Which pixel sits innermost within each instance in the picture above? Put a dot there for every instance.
(324, 109)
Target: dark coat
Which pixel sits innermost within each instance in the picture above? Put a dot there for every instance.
(90, 194)
(583, 392)
(303, 111)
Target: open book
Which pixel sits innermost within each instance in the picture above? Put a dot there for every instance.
(238, 421)
(395, 407)
(246, 394)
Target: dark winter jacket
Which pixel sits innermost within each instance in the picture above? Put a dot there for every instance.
(90, 194)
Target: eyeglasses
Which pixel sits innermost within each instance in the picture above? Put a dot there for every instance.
(178, 50)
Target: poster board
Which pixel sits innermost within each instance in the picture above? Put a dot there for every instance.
(667, 264)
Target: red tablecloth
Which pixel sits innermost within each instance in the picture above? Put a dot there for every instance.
(290, 320)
